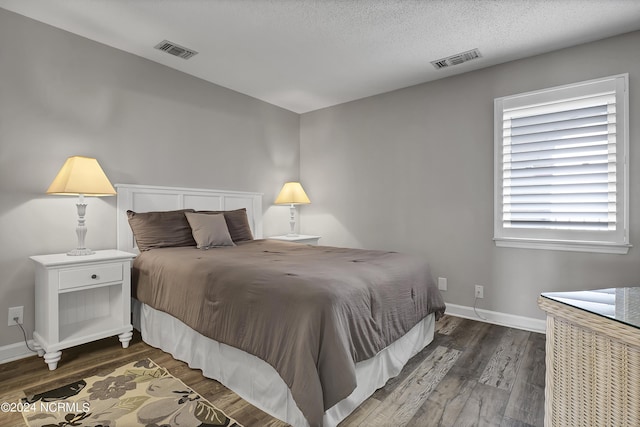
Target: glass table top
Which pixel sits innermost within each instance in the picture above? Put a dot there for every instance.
(621, 304)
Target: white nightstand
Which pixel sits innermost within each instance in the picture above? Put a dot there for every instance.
(81, 299)
(300, 238)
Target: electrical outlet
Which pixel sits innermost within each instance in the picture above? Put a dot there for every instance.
(442, 283)
(479, 291)
(15, 312)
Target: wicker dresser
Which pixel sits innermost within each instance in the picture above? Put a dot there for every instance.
(592, 358)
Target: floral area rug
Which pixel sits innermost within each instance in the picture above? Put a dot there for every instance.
(138, 394)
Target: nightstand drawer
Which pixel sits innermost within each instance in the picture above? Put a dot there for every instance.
(94, 275)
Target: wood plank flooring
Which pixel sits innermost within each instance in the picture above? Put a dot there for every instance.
(472, 374)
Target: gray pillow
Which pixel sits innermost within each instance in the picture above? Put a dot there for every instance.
(237, 222)
(160, 229)
(209, 231)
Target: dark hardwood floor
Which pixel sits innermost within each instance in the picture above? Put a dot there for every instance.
(472, 374)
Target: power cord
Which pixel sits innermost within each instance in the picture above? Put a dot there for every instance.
(475, 301)
(24, 333)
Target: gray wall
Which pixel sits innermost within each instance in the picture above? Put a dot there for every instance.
(63, 95)
(412, 170)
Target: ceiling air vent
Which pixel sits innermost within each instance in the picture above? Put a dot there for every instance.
(175, 50)
(456, 59)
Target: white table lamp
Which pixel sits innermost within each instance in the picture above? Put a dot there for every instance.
(81, 176)
(292, 194)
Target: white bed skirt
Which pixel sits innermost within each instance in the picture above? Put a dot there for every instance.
(256, 381)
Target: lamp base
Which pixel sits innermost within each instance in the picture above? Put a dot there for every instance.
(81, 230)
(80, 252)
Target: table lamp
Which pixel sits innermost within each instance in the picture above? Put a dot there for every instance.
(292, 194)
(81, 176)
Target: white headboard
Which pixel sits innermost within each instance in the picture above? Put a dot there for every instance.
(147, 198)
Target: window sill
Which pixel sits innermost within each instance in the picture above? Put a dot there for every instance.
(564, 245)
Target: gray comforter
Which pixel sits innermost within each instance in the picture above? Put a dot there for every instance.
(311, 312)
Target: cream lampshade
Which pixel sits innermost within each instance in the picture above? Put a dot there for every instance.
(81, 176)
(292, 194)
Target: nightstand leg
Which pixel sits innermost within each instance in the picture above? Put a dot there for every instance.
(52, 359)
(125, 337)
(37, 347)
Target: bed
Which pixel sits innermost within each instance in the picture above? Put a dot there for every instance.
(294, 331)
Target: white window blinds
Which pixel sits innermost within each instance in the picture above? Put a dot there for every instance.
(561, 163)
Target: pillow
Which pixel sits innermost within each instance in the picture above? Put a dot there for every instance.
(161, 229)
(209, 231)
(237, 223)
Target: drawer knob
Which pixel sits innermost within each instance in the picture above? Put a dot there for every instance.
(94, 276)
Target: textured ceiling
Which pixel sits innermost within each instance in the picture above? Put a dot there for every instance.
(304, 55)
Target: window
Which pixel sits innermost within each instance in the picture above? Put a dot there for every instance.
(561, 175)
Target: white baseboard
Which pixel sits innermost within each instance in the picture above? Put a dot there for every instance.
(497, 318)
(11, 352)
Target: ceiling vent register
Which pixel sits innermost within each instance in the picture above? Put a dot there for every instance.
(456, 59)
(175, 50)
